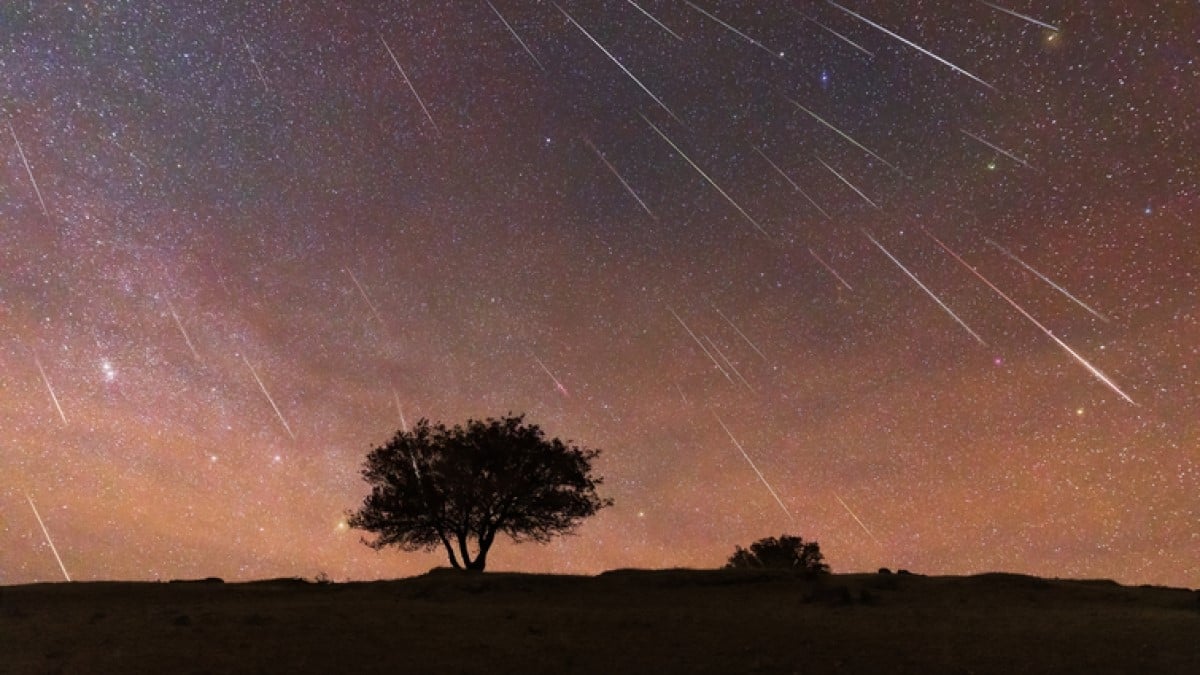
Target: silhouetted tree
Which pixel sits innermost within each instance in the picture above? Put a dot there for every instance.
(786, 552)
(434, 485)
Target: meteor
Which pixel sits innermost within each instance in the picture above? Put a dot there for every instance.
(831, 270)
(620, 65)
(747, 38)
(1046, 279)
(681, 394)
(739, 332)
(559, 385)
(841, 37)
(514, 34)
(28, 170)
(1030, 19)
(856, 519)
(410, 84)
(848, 183)
(269, 399)
(752, 466)
(1050, 334)
(710, 180)
(926, 289)
(651, 17)
(616, 173)
(50, 541)
(257, 69)
(182, 330)
(729, 363)
(912, 44)
(998, 149)
(792, 183)
(374, 310)
(846, 136)
(400, 410)
(50, 389)
(701, 344)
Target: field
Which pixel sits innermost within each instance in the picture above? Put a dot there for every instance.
(669, 621)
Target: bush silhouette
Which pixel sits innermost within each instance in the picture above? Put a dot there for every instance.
(448, 486)
(786, 552)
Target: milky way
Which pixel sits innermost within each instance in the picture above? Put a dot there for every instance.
(242, 243)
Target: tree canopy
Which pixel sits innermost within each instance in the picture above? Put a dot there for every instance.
(434, 485)
(786, 552)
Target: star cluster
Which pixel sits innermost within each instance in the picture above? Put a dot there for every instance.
(243, 243)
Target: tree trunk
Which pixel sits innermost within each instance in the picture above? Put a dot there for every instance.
(450, 552)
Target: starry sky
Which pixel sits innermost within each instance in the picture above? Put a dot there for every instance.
(916, 280)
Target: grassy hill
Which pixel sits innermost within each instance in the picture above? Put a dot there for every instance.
(627, 621)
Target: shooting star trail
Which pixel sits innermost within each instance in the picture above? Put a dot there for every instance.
(558, 385)
(269, 399)
(998, 149)
(514, 34)
(363, 292)
(739, 332)
(752, 466)
(257, 69)
(914, 45)
(400, 410)
(828, 267)
(1048, 280)
(925, 288)
(29, 170)
(701, 345)
(1096, 372)
(651, 17)
(856, 519)
(182, 330)
(45, 531)
(793, 183)
(846, 136)
(710, 180)
(841, 37)
(410, 84)
(747, 38)
(619, 177)
(681, 394)
(729, 363)
(1030, 19)
(53, 396)
(848, 183)
(620, 65)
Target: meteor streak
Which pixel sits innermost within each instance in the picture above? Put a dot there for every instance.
(651, 17)
(856, 519)
(269, 399)
(50, 541)
(701, 344)
(848, 183)
(374, 310)
(925, 288)
(998, 149)
(729, 363)
(1030, 19)
(831, 270)
(182, 330)
(792, 183)
(912, 44)
(710, 180)
(1050, 334)
(752, 466)
(739, 332)
(514, 34)
(616, 173)
(843, 38)
(620, 65)
(846, 136)
(1046, 279)
(400, 410)
(559, 385)
(410, 84)
(257, 69)
(28, 170)
(50, 389)
(747, 38)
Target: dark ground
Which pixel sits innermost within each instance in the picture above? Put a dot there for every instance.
(670, 621)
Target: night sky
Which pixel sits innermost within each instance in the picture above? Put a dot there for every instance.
(241, 244)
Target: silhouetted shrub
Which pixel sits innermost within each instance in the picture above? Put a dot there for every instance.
(903, 572)
(786, 553)
(884, 570)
